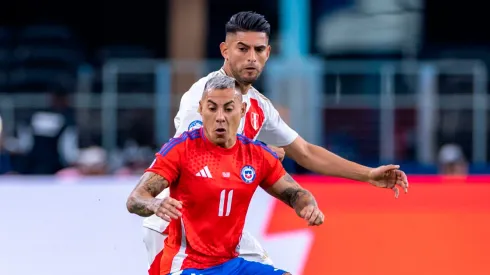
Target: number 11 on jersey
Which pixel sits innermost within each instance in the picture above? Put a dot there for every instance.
(225, 197)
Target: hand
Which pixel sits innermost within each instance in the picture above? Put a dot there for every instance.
(388, 176)
(167, 208)
(312, 214)
(279, 151)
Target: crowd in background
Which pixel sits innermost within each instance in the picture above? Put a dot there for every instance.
(47, 143)
(46, 46)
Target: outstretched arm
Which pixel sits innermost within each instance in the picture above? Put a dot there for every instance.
(322, 161)
(311, 157)
(301, 200)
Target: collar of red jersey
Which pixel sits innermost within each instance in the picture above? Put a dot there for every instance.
(216, 148)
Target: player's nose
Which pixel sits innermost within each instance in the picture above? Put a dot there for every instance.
(220, 116)
(252, 57)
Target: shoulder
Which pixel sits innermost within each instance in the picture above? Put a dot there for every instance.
(257, 146)
(181, 142)
(262, 100)
(259, 96)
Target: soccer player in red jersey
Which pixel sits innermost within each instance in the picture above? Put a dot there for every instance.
(212, 174)
(246, 50)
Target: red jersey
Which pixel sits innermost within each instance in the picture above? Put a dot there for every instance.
(215, 186)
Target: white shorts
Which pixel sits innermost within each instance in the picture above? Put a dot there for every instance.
(249, 248)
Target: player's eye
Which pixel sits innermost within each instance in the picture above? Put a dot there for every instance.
(242, 49)
(212, 108)
(229, 109)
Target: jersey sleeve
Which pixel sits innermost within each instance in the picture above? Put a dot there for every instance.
(188, 118)
(272, 168)
(168, 160)
(276, 131)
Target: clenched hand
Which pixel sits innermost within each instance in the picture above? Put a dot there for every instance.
(167, 209)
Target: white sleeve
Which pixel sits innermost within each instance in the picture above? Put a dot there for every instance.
(276, 132)
(187, 117)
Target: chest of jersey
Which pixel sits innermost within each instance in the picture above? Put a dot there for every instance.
(219, 183)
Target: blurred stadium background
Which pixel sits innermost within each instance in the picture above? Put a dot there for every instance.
(91, 90)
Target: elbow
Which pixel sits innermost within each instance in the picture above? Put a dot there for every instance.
(135, 205)
(130, 204)
(302, 154)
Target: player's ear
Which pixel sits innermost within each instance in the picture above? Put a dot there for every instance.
(223, 47)
(199, 109)
(243, 109)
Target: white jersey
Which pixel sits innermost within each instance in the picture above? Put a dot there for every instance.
(261, 122)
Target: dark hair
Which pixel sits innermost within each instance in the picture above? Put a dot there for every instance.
(248, 21)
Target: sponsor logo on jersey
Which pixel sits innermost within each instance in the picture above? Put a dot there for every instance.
(248, 174)
(205, 173)
(196, 124)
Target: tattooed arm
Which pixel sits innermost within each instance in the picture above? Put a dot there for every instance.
(291, 193)
(142, 199)
(301, 200)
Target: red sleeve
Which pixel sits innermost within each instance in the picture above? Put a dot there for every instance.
(167, 161)
(272, 168)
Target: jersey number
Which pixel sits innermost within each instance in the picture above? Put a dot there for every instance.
(225, 200)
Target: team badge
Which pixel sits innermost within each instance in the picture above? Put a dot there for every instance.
(255, 120)
(196, 124)
(248, 174)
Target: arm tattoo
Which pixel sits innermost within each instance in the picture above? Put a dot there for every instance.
(295, 196)
(142, 200)
(153, 183)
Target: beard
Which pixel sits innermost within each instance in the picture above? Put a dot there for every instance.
(243, 77)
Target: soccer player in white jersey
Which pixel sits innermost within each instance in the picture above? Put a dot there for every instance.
(245, 52)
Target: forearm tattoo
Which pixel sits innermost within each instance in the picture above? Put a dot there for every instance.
(142, 199)
(295, 195)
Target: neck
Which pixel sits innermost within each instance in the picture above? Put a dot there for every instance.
(229, 143)
(226, 145)
(243, 87)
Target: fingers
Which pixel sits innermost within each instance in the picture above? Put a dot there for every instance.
(397, 192)
(405, 179)
(173, 202)
(280, 152)
(163, 216)
(402, 181)
(312, 214)
(306, 212)
(390, 167)
(169, 209)
(400, 178)
(316, 218)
